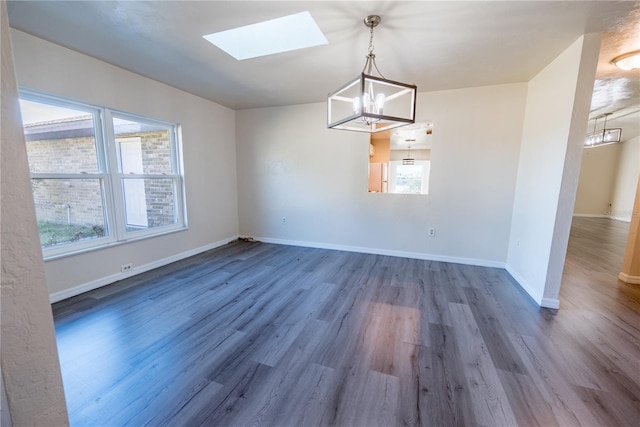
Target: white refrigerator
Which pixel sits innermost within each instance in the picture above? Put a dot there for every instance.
(378, 177)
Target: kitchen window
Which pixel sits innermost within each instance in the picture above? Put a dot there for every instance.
(409, 179)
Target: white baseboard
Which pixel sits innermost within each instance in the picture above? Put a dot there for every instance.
(617, 218)
(538, 299)
(634, 280)
(550, 303)
(535, 296)
(621, 218)
(103, 281)
(376, 251)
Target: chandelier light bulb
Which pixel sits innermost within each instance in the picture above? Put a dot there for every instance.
(380, 98)
(371, 104)
(357, 108)
(602, 136)
(366, 103)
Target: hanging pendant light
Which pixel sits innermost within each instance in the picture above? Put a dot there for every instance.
(409, 160)
(603, 136)
(371, 103)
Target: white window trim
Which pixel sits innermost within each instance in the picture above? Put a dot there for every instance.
(110, 178)
(424, 185)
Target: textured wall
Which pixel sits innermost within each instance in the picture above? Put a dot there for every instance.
(30, 366)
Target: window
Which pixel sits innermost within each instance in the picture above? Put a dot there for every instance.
(409, 179)
(99, 176)
(400, 159)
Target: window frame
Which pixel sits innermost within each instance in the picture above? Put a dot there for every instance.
(426, 177)
(117, 176)
(111, 178)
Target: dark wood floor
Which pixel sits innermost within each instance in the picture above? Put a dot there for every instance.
(261, 334)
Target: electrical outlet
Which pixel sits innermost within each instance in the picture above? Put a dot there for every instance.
(432, 232)
(284, 219)
(125, 268)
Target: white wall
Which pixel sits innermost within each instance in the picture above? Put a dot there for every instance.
(552, 141)
(597, 180)
(208, 136)
(397, 155)
(608, 177)
(290, 165)
(29, 358)
(626, 179)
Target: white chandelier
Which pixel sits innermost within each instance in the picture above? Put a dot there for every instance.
(371, 103)
(603, 136)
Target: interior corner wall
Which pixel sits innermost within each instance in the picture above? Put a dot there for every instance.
(28, 356)
(291, 167)
(552, 141)
(208, 155)
(626, 178)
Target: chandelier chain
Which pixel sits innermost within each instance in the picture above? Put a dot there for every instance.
(371, 40)
(370, 63)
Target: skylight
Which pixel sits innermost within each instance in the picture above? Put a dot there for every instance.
(278, 35)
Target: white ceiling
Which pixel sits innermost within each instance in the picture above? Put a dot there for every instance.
(616, 91)
(436, 45)
(414, 135)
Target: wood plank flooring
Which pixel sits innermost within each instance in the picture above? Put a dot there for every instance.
(269, 335)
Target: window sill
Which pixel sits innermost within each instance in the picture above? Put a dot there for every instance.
(71, 253)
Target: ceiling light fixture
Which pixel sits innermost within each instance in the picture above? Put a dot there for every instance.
(409, 160)
(628, 61)
(603, 136)
(371, 103)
